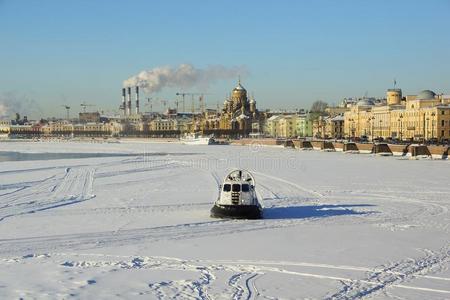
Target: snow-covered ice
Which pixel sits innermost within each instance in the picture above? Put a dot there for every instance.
(336, 226)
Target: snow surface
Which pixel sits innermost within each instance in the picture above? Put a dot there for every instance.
(336, 226)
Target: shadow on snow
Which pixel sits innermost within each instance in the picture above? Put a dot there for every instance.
(314, 211)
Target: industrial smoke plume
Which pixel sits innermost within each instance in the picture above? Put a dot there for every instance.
(184, 76)
(3, 110)
(11, 103)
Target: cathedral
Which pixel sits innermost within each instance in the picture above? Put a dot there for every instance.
(238, 117)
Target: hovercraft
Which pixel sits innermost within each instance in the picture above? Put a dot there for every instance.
(237, 197)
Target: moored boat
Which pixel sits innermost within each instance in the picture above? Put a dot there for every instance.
(197, 139)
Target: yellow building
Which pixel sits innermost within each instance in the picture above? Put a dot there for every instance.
(333, 111)
(97, 128)
(163, 125)
(319, 124)
(272, 126)
(328, 127)
(394, 96)
(26, 129)
(358, 120)
(287, 126)
(67, 128)
(334, 127)
(416, 117)
(5, 128)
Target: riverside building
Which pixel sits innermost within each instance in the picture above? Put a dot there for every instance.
(418, 117)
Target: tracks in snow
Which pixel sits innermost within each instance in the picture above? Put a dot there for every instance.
(205, 279)
(64, 188)
(394, 274)
(309, 193)
(134, 209)
(143, 235)
(75, 185)
(73, 180)
(244, 285)
(398, 212)
(199, 284)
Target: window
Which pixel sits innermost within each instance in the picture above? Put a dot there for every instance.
(236, 187)
(245, 187)
(442, 123)
(227, 187)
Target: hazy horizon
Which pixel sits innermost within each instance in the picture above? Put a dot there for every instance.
(288, 54)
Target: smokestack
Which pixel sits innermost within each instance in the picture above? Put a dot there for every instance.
(129, 102)
(124, 107)
(137, 100)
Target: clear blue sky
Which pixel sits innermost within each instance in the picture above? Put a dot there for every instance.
(59, 52)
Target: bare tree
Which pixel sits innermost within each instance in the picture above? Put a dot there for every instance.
(318, 106)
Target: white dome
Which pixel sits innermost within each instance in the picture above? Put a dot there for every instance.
(365, 102)
(426, 95)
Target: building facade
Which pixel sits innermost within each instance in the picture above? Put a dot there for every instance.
(417, 117)
(5, 128)
(289, 126)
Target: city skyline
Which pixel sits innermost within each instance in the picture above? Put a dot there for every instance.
(290, 54)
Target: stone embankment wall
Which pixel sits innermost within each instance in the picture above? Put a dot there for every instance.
(438, 152)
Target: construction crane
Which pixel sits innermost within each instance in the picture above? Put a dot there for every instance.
(149, 103)
(177, 103)
(182, 101)
(201, 102)
(183, 95)
(164, 102)
(84, 105)
(67, 111)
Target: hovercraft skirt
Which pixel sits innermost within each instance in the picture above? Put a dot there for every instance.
(236, 211)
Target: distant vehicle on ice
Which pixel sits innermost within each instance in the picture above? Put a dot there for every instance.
(237, 197)
(197, 139)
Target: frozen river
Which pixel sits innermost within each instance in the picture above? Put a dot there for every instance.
(19, 156)
(130, 220)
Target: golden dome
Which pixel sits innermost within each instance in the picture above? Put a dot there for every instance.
(239, 88)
